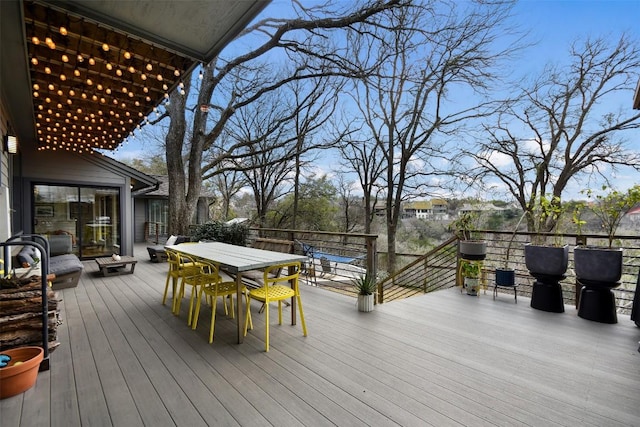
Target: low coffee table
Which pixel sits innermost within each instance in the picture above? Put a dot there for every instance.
(110, 267)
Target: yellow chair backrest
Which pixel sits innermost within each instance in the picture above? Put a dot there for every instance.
(272, 274)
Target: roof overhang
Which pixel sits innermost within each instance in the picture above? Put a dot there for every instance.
(91, 85)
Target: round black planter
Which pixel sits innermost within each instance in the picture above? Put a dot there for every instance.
(505, 277)
(546, 261)
(595, 264)
(473, 250)
(548, 265)
(598, 270)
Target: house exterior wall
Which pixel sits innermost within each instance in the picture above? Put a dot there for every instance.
(62, 167)
(5, 180)
(139, 215)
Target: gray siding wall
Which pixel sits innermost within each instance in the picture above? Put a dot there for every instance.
(140, 217)
(63, 167)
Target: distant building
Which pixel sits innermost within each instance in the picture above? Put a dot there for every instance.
(435, 209)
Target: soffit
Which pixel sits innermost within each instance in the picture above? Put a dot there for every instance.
(93, 83)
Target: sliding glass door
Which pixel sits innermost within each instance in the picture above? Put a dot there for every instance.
(90, 215)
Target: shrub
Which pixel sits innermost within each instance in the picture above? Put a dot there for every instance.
(235, 234)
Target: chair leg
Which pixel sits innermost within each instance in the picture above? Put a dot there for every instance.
(213, 318)
(248, 302)
(304, 325)
(266, 319)
(194, 290)
(177, 298)
(247, 317)
(166, 290)
(233, 311)
(194, 324)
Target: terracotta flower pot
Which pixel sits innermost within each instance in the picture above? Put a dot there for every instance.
(17, 378)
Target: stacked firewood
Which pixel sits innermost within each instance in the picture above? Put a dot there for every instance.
(21, 313)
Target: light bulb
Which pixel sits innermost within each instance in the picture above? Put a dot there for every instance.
(35, 40)
(105, 47)
(63, 31)
(65, 58)
(149, 67)
(63, 77)
(34, 61)
(127, 55)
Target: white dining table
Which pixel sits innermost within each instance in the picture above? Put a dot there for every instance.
(235, 260)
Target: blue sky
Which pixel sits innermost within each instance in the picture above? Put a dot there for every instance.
(552, 24)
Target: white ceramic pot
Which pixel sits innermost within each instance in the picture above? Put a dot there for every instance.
(365, 302)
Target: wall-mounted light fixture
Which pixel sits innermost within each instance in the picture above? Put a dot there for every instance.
(11, 144)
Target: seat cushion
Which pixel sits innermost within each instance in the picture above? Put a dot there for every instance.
(64, 264)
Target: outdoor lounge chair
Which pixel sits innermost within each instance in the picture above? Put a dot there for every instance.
(157, 253)
(327, 259)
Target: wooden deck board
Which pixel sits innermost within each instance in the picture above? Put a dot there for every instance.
(442, 359)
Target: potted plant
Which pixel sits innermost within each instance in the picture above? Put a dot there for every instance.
(19, 369)
(506, 276)
(546, 260)
(604, 264)
(470, 271)
(365, 286)
(464, 228)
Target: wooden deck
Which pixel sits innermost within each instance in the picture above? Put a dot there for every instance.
(440, 359)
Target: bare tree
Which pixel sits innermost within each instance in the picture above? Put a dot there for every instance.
(557, 131)
(428, 52)
(314, 102)
(351, 206)
(267, 165)
(304, 40)
(366, 158)
(227, 185)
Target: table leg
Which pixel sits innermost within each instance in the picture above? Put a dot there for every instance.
(239, 310)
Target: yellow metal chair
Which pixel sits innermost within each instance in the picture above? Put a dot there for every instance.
(177, 269)
(191, 276)
(212, 286)
(277, 289)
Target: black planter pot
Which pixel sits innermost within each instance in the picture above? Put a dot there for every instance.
(505, 277)
(598, 270)
(546, 261)
(548, 265)
(473, 249)
(594, 264)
